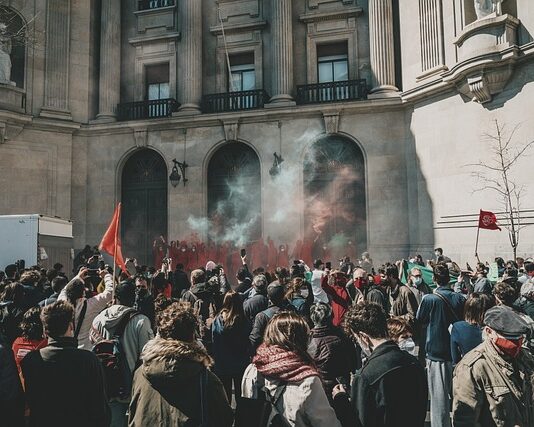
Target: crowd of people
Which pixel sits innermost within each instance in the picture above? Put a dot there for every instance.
(302, 344)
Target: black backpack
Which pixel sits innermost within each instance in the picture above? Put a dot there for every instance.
(116, 370)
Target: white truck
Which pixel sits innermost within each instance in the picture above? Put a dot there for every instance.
(36, 239)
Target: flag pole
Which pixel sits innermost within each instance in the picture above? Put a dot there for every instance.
(115, 249)
(478, 234)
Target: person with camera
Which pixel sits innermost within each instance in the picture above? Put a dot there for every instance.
(86, 305)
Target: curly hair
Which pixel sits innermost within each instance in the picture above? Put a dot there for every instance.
(506, 293)
(366, 317)
(398, 327)
(178, 322)
(30, 277)
(31, 325)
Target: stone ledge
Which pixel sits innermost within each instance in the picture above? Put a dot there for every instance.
(12, 98)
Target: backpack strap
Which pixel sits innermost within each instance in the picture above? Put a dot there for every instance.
(449, 306)
(121, 327)
(80, 320)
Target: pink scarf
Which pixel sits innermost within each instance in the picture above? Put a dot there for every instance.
(280, 364)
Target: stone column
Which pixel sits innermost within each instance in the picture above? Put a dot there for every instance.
(382, 48)
(56, 92)
(190, 95)
(282, 53)
(110, 60)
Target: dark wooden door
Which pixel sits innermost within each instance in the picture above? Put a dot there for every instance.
(144, 204)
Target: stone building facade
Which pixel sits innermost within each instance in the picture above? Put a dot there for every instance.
(106, 93)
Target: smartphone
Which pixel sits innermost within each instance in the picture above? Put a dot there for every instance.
(344, 383)
(328, 265)
(243, 252)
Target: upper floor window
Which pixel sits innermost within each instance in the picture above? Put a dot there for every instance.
(243, 73)
(154, 4)
(157, 82)
(332, 62)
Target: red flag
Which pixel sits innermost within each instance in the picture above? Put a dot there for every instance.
(111, 242)
(488, 220)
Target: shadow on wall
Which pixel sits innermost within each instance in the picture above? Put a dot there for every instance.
(420, 206)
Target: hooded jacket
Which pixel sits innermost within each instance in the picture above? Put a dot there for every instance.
(136, 334)
(166, 388)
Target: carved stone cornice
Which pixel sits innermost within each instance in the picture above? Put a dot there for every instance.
(332, 15)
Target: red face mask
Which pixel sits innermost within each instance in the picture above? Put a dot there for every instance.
(509, 347)
(360, 283)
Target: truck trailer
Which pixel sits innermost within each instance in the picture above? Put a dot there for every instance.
(37, 240)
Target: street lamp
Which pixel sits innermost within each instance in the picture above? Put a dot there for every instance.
(175, 176)
(277, 165)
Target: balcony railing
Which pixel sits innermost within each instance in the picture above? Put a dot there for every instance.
(153, 4)
(234, 101)
(147, 109)
(348, 90)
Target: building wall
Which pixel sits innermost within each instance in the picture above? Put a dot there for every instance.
(415, 144)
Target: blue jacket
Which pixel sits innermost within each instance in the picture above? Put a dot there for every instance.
(439, 315)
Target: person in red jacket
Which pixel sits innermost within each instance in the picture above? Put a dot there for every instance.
(272, 255)
(334, 284)
(31, 338)
(283, 256)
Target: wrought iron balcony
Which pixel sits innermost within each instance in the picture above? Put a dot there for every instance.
(153, 4)
(147, 109)
(234, 101)
(348, 90)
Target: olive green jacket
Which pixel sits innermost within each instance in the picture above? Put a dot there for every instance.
(491, 391)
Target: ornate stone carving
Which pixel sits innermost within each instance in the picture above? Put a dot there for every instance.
(481, 86)
(231, 130)
(5, 58)
(331, 122)
(141, 137)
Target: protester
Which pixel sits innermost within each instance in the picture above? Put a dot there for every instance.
(317, 280)
(481, 283)
(277, 302)
(174, 386)
(417, 284)
(402, 300)
(86, 309)
(11, 393)
(401, 332)
(300, 296)
(57, 285)
(493, 383)
(357, 285)
(259, 301)
(390, 390)
(31, 337)
(180, 281)
(144, 301)
(333, 353)
(334, 284)
(467, 334)
(438, 311)
(11, 312)
(33, 293)
(133, 330)
(61, 374)
(289, 377)
(231, 330)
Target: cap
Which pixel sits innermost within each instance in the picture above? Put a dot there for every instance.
(505, 321)
(318, 263)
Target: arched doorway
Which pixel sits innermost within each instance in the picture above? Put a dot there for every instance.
(234, 194)
(334, 182)
(144, 204)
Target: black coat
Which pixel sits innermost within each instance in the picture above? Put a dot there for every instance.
(334, 355)
(70, 380)
(180, 283)
(389, 391)
(255, 305)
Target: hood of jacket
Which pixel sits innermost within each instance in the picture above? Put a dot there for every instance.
(112, 316)
(169, 364)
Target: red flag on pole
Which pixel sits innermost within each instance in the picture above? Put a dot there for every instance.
(488, 221)
(111, 242)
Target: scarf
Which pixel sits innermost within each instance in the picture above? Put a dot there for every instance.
(277, 363)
